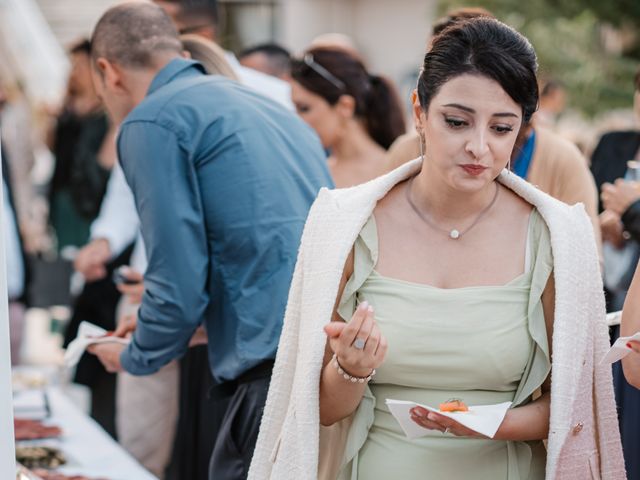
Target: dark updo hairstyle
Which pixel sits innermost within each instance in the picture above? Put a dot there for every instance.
(376, 101)
(482, 46)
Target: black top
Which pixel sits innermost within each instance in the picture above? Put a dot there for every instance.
(77, 143)
(609, 160)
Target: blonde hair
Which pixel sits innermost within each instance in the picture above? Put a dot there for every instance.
(210, 55)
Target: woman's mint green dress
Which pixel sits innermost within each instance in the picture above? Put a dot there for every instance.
(484, 345)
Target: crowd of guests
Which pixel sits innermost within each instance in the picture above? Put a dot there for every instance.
(285, 253)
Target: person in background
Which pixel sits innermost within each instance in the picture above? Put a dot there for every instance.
(147, 407)
(226, 172)
(269, 58)
(17, 271)
(616, 168)
(357, 115)
(83, 146)
(553, 100)
(116, 227)
(16, 266)
(16, 123)
(84, 151)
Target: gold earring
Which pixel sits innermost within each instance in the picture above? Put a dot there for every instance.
(422, 141)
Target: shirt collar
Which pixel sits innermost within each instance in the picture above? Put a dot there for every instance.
(173, 69)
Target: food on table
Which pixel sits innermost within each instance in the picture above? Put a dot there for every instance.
(40, 457)
(46, 475)
(34, 430)
(453, 405)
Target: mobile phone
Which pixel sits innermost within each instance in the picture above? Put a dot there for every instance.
(119, 276)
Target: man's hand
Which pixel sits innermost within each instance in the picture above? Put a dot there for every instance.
(92, 259)
(126, 325)
(619, 196)
(109, 355)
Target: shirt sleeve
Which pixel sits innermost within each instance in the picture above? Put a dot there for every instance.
(167, 195)
(117, 221)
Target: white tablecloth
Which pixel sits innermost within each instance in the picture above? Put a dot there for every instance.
(89, 450)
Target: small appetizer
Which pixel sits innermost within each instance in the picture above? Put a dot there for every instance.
(453, 405)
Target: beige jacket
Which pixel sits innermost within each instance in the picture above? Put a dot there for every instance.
(584, 441)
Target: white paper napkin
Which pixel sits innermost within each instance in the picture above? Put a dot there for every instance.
(88, 334)
(619, 349)
(484, 419)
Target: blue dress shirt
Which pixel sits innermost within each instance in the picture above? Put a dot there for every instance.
(223, 179)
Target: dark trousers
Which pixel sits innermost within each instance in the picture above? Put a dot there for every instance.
(243, 403)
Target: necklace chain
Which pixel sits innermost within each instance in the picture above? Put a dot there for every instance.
(453, 233)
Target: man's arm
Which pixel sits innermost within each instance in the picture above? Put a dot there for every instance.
(167, 196)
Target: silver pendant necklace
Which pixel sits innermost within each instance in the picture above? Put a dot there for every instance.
(454, 233)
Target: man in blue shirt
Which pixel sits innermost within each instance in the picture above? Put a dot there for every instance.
(223, 179)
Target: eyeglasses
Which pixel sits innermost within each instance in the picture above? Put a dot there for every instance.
(323, 72)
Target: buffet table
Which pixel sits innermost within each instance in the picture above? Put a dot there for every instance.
(88, 449)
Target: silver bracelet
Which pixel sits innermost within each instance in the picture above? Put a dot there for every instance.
(349, 377)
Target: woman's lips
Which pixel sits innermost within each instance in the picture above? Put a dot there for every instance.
(474, 169)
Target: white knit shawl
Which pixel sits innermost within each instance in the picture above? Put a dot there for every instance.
(288, 443)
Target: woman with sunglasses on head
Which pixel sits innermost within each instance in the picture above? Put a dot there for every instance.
(356, 115)
(449, 277)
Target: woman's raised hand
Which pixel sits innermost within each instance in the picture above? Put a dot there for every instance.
(358, 344)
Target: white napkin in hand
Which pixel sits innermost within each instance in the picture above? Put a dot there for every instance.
(619, 349)
(88, 334)
(484, 419)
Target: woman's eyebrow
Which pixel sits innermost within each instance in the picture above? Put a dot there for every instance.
(471, 110)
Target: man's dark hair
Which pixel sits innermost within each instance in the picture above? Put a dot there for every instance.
(81, 46)
(486, 47)
(278, 56)
(132, 34)
(194, 15)
(457, 15)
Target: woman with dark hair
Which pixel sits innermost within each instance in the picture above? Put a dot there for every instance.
(356, 115)
(448, 277)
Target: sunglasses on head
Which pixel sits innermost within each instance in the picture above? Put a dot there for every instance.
(323, 72)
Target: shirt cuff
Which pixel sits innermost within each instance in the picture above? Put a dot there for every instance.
(133, 363)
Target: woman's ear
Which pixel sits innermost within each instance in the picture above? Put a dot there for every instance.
(346, 106)
(418, 113)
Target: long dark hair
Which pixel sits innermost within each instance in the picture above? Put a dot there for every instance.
(332, 73)
(487, 47)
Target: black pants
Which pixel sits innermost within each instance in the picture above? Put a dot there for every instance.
(198, 421)
(243, 402)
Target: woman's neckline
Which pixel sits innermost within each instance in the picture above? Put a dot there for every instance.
(527, 270)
